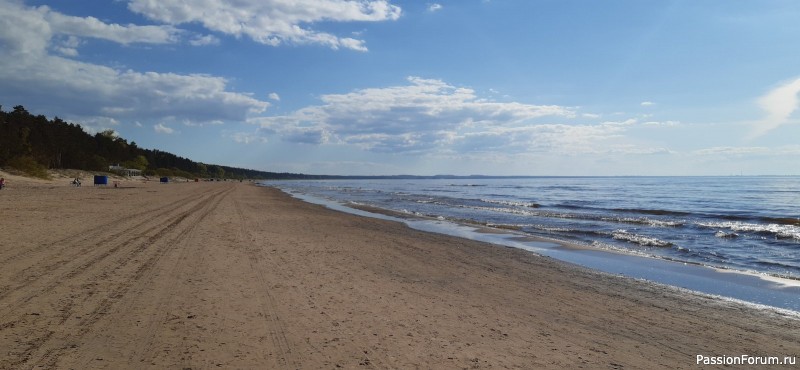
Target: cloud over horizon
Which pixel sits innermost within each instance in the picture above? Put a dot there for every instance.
(432, 116)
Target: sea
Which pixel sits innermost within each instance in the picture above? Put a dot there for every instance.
(737, 223)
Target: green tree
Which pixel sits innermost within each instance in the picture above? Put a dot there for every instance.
(202, 170)
(140, 163)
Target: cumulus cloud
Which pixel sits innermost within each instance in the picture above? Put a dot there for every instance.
(94, 28)
(565, 139)
(779, 104)
(647, 104)
(163, 129)
(275, 96)
(204, 40)
(432, 116)
(271, 22)
(29, 73)
(31, 29)
(434, 7)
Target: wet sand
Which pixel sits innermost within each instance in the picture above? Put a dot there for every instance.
(231, 275)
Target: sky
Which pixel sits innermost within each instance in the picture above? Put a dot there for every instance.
(380, 87)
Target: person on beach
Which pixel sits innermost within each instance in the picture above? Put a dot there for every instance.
(2, 182)
(76, 182)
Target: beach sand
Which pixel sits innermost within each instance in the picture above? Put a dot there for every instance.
(232, 275)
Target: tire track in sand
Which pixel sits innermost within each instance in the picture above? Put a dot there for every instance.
(268, 308)
(94, 231)
(46, 348)
(58, 272)
(61, 252)
(144, 352)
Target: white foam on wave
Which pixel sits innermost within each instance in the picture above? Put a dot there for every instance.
(529, 212)
(642, 240)
(511, 203)
(781, 231)
(515, 211)
(722, 234)
(645, 221)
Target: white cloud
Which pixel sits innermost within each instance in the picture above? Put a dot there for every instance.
(204, 40)
(434, 7)
(94, 125)
(647, 104)
(271, 22)
(431, 116)
(779, 104)
(591, 115)
(163, 129)
(67, 46)
(94, 28)
(31, 75)
(246, 137)
(275, 96)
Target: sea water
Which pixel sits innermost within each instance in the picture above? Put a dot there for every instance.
(738, 223)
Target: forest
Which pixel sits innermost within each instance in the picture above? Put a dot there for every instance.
(34, 144)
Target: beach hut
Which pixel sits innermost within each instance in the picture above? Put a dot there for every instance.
(164, 180)
(100, 180)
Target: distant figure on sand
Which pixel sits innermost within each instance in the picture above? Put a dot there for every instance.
(76, 182)
(2, 182)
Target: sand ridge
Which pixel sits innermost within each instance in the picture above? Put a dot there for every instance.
(231, 275)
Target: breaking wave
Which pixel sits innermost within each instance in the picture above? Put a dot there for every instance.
(776, 230)
(642, 240)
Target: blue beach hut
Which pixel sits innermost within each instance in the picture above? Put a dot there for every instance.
(100, 180)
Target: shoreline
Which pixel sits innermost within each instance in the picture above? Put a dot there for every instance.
(206, 275)
(747, 287)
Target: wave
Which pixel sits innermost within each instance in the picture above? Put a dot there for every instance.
(568, 231)
(657, 212)
(779, 231)
(644, 221)
(663, 212)
(576, 216)
(722, 234)
(782, 220)
(765, 219)
(642, 240)
(511, 203)
(774, 264)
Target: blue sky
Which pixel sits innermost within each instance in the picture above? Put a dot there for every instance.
(373, 87)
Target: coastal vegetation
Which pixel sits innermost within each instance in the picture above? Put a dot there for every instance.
(34, 144)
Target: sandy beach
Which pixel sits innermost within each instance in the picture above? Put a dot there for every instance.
(235, 276)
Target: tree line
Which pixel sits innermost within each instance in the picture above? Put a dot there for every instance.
(34, 143)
